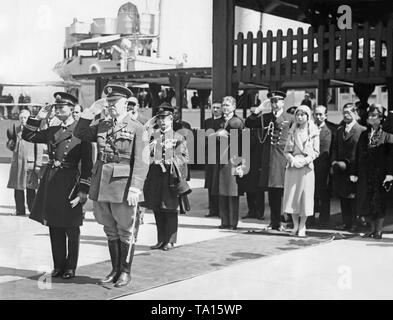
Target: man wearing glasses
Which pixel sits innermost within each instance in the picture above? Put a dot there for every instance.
(275, 124)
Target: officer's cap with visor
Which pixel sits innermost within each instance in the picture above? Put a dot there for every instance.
(274, 96)
(165, 109)
(132, 101)
(64, 99)
(115, 92)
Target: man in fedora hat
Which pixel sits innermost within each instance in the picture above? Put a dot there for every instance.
(275, 125)
(343, 159)
(118, 176)
(169, 156)
(63, 188)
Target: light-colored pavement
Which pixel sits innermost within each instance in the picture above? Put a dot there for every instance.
(343, 269)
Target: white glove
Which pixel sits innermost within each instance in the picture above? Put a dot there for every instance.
(264, 107)
(44, 112)
(222, 133)
(133, 196)
(353, 179)
(388, 178)
(95, 108)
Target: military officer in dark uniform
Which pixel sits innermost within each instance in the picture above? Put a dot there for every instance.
(63, 189)
(276, 125)
(169, 156)
(118, 176)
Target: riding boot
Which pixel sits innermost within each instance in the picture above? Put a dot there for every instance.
(378, 228)
(114, 251)
(125, 265)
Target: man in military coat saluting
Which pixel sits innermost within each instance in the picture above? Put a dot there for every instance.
(118, 176)
(275, 125)
(63, 189)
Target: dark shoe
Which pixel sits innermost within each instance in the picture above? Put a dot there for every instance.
(261, 218)
(167, 246)
(158, 245)
(125, 266)
(353, 228)
(68, 274)
(210, 215)
(233, 228)
(223, 227)
(368, 235)
(377, 235)
(114, 251)
(57, 273)
(248, 217)
(124, 279)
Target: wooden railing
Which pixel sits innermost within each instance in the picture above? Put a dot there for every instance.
(348, 55)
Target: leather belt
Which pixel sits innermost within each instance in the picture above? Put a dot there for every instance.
(61, 164)
(108, 157)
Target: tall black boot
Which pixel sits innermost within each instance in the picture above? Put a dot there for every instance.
(125, 267)
(114, 251)
(378, 228)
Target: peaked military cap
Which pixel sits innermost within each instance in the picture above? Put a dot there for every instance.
(165, 109)
(65, 98)
(114, 90)
(133, 100)
(278, 95)
(291, 110)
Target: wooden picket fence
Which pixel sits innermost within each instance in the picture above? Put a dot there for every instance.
(364, 51)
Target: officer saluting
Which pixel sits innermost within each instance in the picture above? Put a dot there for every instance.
(118, 176)
(63, 190)
(166, 185)
(275, 124)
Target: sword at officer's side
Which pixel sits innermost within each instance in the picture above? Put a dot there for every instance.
(133, 230)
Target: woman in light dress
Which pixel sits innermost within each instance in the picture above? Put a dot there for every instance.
(301, 149)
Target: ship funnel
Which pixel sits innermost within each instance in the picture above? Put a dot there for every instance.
(128, 19)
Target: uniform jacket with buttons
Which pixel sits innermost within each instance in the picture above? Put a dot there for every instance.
(67, 173)
(127, 139)
(273, 161)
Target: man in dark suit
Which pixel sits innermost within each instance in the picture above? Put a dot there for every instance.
(322, 167)
(212, 125)
(225, 178)
(343, 159)
(275, 124)
(62, 190)
(118, 176)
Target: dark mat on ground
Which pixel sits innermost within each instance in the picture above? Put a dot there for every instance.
(157, 268)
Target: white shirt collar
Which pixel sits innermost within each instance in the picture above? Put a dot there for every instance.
(68, 122)
(215, 118)
(349, 126)
(279, 112)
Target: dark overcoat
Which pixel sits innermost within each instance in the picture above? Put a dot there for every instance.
(224, 181)
(157, 190)
(60, 183)
(273, 161)
(371, 166)
(344, 149)
(323, 162)
(211, 125)
(250, 181)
